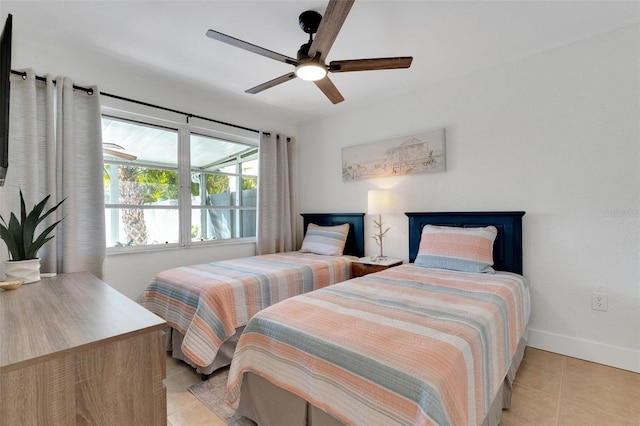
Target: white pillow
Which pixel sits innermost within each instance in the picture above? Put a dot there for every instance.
(328, 240)
(458, 249)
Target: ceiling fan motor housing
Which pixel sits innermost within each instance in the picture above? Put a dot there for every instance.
(303, 53)
(310, 21)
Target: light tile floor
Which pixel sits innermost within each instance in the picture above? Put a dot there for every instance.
(549, 389)
(183, 409)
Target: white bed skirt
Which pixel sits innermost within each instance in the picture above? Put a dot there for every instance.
(268, 405)
(223, 358)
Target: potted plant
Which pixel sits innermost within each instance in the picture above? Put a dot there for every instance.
(19, 236)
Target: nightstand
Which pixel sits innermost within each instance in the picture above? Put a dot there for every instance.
(365, 265)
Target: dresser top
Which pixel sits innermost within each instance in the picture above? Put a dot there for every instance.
(65, 313)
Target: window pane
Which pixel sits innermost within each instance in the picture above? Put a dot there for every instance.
(249, 197)
(208, 154)
(139, 227)
(250, 168)
(249, 183)
(216, 224)
(219, 190)
(148, 144)
(248, 223)
(140, 185)
(212, 190)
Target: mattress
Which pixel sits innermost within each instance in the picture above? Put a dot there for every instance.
(408, 345)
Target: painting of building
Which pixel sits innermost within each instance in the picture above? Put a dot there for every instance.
(416, 153)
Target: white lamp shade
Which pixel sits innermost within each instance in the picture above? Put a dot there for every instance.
(379, 201)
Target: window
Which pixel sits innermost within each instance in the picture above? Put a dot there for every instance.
(224, 176)
(156, 196)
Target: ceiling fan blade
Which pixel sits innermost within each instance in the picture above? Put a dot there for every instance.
(251, 47)
(370, 64)
(264, 86)
(111, 145)
(119, 154)
(330, 90)
(330, 25)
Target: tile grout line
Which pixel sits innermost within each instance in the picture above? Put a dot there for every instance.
(562, 374)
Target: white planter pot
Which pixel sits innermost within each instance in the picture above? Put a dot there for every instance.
(23, 270)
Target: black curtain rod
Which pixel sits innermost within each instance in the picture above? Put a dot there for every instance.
(24, 77)
(268, 134)
(189, 115)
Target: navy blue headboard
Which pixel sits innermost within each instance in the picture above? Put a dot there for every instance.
(355, 239)
(507, 248)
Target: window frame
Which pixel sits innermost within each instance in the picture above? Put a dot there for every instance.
(184, 128)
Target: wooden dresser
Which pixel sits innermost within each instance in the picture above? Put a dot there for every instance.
(74, 351)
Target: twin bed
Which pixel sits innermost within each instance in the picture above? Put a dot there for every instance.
(415, 344)
(206, 306)
(435, 341)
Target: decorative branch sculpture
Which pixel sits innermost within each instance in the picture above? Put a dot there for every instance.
(379, 235)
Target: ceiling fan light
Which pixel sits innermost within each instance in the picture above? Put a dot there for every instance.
(311, 71)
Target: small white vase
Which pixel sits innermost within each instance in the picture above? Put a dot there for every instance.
(22, 270)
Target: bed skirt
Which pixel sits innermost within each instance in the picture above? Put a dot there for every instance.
(269, 405)
(223, 358)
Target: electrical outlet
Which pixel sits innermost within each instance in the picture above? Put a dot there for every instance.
(599, 301)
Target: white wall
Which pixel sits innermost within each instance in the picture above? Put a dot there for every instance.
(555, 135)
(130, 273)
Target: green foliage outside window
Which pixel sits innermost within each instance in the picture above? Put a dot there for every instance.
(159, 185)
(249, 183)
(216, 184)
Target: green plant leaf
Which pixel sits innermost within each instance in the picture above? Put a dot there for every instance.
(8, 239)
(32, 251)
(19, 235)
(23, 208)
(30, 221)
(51, 210)
(15, 229)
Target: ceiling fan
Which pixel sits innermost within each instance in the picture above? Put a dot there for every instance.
(116, 151)
(310, 63)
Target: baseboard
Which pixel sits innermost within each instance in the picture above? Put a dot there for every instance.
(614, 356)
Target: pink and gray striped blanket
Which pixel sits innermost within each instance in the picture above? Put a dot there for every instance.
(406, 346)
(207, 302)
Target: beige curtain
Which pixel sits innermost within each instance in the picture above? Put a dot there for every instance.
(56, 148)
(277, 203)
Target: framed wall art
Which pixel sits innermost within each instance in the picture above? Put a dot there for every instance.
(404, 155)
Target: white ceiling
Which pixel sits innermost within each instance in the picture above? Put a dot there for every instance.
(445, 38)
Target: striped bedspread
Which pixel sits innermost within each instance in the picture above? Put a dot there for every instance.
(207, 302)
(408, 346)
